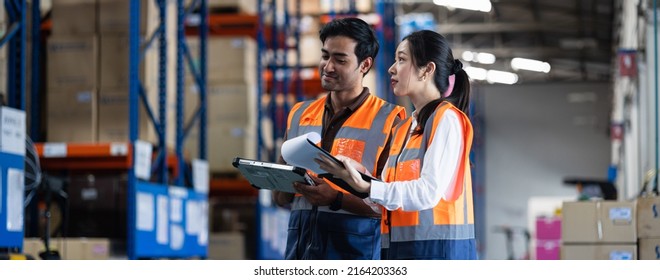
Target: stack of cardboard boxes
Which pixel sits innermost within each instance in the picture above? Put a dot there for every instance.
(599, 230)
(231, 100)
(87, 70)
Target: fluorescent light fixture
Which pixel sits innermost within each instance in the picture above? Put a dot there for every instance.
(530, 65)
(468, 56)
(483, 58)
(475, 5)
(476, 73)
(501, 77)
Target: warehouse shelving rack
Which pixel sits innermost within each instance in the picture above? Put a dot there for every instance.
(152, 231)
(11, 221)
(167, 209)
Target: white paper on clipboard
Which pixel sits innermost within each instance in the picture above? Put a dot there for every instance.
(302, 150)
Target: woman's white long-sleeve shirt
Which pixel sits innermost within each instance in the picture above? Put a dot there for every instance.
(438, 169)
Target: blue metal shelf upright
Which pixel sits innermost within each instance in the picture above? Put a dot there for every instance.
(282, 77)
(165, 215)
(386, 34)
(12, 163)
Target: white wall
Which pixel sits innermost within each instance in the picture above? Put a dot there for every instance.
(535, 137)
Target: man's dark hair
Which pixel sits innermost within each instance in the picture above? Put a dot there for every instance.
(356, 29)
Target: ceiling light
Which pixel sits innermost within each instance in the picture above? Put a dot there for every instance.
(475, 5)
(483, 58)
(501, 77)
(486, 58)
(468, 55)
(476, 73)
(530, 65)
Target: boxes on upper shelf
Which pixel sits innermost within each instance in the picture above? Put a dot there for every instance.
(71, 114)
(229, 59)
(74, 17)
(72, 61)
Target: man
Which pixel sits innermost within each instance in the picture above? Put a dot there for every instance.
(327, 222)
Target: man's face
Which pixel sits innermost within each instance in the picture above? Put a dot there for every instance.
(339, 67)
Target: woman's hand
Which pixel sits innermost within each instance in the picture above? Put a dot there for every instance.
(347, 171)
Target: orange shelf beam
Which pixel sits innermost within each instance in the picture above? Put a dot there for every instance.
(91, 156)
(231, 186)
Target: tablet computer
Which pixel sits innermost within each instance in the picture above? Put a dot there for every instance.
(272, 176)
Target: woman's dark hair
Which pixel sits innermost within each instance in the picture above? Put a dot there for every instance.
(428, 46)
(356, 29)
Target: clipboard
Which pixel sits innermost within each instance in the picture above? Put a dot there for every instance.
(301, 151)
(272, 176)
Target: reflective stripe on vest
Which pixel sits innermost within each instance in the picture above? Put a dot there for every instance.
(362, 136)
(452, 218)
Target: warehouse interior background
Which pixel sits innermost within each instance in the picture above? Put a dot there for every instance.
(137, 108)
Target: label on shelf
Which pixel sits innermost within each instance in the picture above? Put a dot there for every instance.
(143, 151)
(118, 149)
(55, 150)
(200, 175)
(12, 137)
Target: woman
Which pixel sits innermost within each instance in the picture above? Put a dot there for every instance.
(427, 190)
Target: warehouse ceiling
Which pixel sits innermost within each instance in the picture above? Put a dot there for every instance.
(574, 36)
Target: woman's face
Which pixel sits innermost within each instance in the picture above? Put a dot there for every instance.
(403, 72)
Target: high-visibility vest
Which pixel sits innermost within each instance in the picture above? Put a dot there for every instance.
(452, 219)
(318, 232)
(362, 137)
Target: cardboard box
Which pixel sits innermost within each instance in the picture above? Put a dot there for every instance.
(114, 60)
(649, 249)
(310, 51)
(113, 117)
(225, 141)
(598, 222)
(599, 252)
(230, 102)
(74, 17)
(32, 246)
(229, 59)
(72, 61)
(71, 115)
(114, 16)
(226, 246)
(648, 217)
(322, 7)
(86, 249)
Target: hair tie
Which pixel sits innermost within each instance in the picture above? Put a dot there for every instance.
(458, 66)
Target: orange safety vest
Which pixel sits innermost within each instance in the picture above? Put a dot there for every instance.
(318, 232)
(362, 137)
(453, 217)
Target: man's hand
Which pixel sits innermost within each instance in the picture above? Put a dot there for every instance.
(320, 195)
(282, 199)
